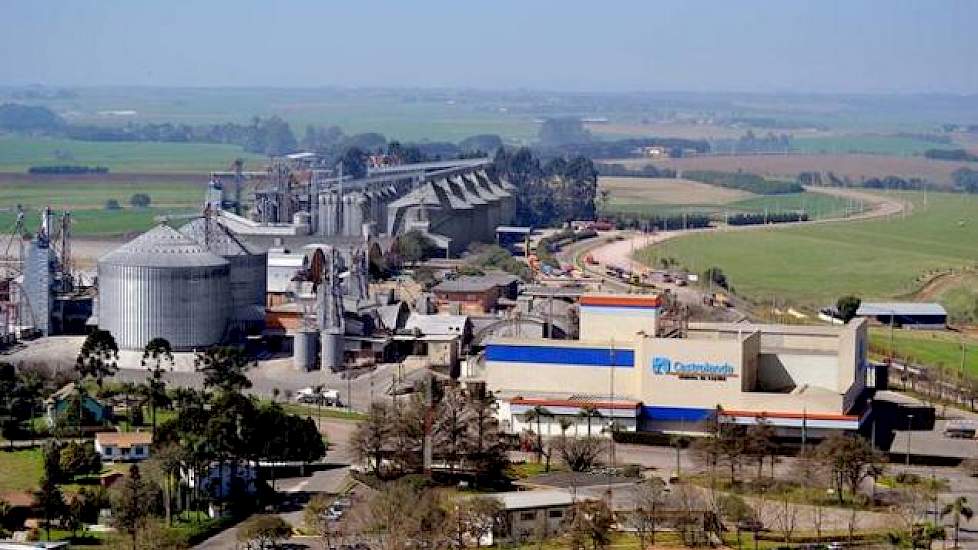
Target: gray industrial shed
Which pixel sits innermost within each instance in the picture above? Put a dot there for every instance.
(905, 314)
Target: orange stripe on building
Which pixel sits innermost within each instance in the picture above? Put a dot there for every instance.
(627, 405)
(621, 301)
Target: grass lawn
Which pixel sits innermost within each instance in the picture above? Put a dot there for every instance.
(811, 266)
(326, 412)
(20, 470)
(92, 192)
(17, 154)
(928, 347)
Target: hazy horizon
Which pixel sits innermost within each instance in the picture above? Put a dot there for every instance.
(758, 47)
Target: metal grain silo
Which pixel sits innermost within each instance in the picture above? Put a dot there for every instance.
(163, 284)
(248, 267)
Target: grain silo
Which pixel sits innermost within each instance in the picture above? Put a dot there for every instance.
(163, 284)
(248, 266)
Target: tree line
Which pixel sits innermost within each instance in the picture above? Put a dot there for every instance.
(550, 193)
(744, 181)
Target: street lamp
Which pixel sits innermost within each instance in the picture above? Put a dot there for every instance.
(909, 426)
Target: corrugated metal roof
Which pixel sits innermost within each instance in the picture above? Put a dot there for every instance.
(163, 246)
(525, 500)
(871, 309)
(437, 324)
(216, 237)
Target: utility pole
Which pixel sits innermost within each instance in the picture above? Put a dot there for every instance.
(611, 448)
(909, 428)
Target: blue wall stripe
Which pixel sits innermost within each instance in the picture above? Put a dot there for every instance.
(589, 357)
(687, 414)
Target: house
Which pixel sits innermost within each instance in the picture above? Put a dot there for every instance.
(123, 446)
(94, 412)
(534, 515)
(476, 295)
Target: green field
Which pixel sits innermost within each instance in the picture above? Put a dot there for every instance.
(17, 154)
(104, 223)
(873, 144)
(811, 266)
(20, 470)
(818, 206)
(928, 347)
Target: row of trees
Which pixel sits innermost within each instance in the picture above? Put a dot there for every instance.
(464, 435)
(548, 194)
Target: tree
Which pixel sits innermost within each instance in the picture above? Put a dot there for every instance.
(112, 204)
(814, 474)
(716, 276)
(759, 444)
(536, 414)
(74, 513)
(405, 515)
(580, 454)
(786, 516)
(370, 438)
(847, 306)
(589, 412)
(79, 458)
(50, 501)
(590, 521)
(563, 131)
(414, 246)
(851, 459)
(224, 368)
(958, 508)
(140, 200)
(650, 495)
(99, 356)
(451, 429)
(316, 520)
(475, 517)
(156, 355)
(132, 504)
(263, 532)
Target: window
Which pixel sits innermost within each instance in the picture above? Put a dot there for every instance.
(528, 516)
(107, 451)
(125, 451)
(555, 514)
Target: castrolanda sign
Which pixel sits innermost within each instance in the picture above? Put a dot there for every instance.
(695, 370)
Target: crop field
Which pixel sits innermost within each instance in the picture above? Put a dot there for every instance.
(877, 144)
(670, 196)
(855, 166)
(811, 266)
(17, 154)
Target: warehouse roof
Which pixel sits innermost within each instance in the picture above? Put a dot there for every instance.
(872, 309)
(479, 283)
(526, 500)
(437, 324)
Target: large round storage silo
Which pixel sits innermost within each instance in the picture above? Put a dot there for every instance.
(163, 284)
(248, 268)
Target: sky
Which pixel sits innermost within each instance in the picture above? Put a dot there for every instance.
(824, 46)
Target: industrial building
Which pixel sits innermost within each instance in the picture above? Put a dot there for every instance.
(639, 364)
(454, 202)
(905, 314)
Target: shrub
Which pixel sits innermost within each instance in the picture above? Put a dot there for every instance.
(112, 204)
(140, 200)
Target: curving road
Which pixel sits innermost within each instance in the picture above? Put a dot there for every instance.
(608, 251)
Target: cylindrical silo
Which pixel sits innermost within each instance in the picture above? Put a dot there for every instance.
(305, 344)
(332, 350)
(163, 284)
(248, 268)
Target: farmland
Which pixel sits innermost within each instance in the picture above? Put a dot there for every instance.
(20, 470)
(811, 266)
(928, 347)
(854, 166)
(878, 144)
(665, 196)
(17, 154)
